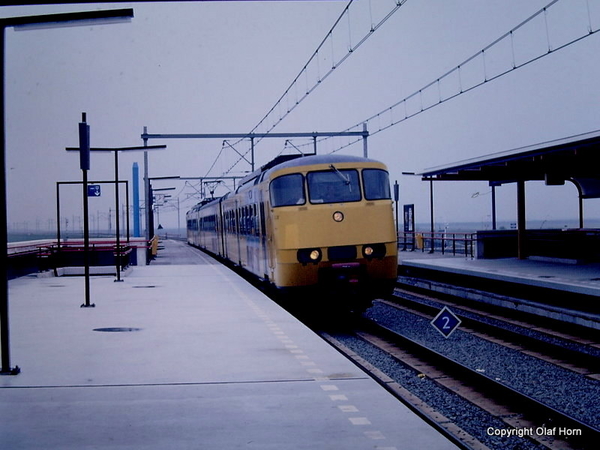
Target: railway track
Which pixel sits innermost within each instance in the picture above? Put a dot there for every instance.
(518, 414)
(577, 350)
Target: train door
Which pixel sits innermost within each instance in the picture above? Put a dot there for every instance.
(262, 230)
(252, 237)
(221, 230)
(270, 254)
(226, 232)
(238, 230)
(229, 229)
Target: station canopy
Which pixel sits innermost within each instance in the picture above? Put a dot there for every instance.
(574, 159)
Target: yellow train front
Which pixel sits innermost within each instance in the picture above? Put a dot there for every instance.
(332, 226)
(313, 224)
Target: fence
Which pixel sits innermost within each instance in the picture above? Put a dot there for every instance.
(29, 257)
(440, 241)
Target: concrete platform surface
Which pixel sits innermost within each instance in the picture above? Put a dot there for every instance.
(575, 278)
(184, 357)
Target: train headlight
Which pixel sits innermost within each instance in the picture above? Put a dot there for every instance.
(309, 255)
(338, 216)
(371, 251)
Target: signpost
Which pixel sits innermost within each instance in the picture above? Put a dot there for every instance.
(446, 322)
(118, 249)
(84, 158)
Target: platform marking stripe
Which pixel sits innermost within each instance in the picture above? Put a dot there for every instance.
(359, 421)
(348, 408)
(305, 361)
(375, 435)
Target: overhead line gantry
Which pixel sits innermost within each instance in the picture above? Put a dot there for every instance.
(252, 136)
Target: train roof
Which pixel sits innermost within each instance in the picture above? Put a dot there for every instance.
(321, 159)
(286, 161)
(203, 203)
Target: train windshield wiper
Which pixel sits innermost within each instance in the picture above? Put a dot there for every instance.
(344, 178)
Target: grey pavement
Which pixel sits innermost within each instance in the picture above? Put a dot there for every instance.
(184, 357)
(579, 278)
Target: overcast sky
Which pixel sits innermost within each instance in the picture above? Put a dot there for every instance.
(218, 67)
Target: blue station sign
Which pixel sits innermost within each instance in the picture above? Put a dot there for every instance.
(93, 190)
(446, 322)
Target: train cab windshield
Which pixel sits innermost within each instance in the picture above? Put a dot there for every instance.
(377, 184)
(333, 186)
(330, 186)
(287, 190)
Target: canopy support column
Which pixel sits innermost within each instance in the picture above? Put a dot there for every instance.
(521, 222)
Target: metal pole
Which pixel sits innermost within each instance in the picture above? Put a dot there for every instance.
(365, 150)
(580, 202)
(493, 207)
(136, 200)
(178, 218)
(84, 149)
(396, 198)
(117, 221)
(431, 213)
(147, 196)
(51, 18)
(521, 222)
(127, 210)
(58, 215)
(4, 325)
(86, 242)
(252, 154)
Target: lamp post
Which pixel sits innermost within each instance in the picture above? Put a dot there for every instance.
(84, 158)
(87, 17)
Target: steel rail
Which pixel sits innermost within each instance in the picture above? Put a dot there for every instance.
(578, 354)
(527, 404)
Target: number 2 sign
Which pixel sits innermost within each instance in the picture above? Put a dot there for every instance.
(446, 322)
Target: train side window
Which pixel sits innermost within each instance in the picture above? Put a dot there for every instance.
(333, 186)
(287, 190)
(377, 184)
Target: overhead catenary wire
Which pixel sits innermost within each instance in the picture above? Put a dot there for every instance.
(401, 110)
(313, 63)
(457, 71)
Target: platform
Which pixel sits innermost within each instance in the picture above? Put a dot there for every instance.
(184, 357)
(555, 290)
(574, 278)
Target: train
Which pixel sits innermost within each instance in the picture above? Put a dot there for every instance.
(302, 224)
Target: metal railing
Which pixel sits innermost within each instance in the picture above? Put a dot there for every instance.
(43, 255)
(440, 241)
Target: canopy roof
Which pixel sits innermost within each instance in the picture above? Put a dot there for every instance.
(574, 158)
